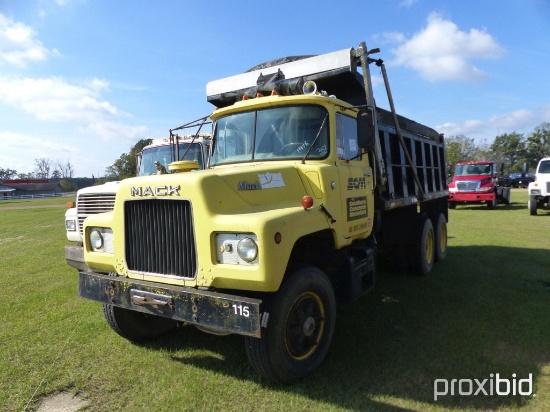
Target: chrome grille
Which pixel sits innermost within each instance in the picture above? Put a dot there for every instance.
(467, 185)
(93, 203)
(159, 237)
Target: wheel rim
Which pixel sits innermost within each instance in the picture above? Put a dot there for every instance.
(429, 247)
(305, 325)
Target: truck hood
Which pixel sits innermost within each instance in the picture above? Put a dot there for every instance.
(109, 187)
(228, 189)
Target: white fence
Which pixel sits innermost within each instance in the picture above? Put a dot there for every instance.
(42, 196)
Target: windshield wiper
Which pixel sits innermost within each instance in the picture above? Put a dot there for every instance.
(315, 140)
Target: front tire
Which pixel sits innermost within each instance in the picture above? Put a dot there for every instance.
(532, 205)
(302, 315)
(136, 326)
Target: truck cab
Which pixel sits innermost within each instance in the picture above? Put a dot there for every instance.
(539, 190)
(478, 182)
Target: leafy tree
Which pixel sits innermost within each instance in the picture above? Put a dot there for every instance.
(482, 151)
(25, 175)
(7, 174)
(68, 185)
(459, 149)
(125, 166)
(508, 148)
(538, 144)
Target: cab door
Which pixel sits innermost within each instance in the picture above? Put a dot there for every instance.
(356, 181)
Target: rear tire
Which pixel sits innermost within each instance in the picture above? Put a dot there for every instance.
(441, 238)
(506, 195)
(302, 316)
(422, 253)
(532, 205)
(136, 326)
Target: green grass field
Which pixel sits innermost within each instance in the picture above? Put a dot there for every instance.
(484, 310)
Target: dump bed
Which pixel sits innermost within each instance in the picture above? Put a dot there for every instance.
(427, 152)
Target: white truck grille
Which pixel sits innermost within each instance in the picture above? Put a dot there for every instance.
(93, 203)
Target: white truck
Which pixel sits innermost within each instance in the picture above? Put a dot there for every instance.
(539, 190)
(153, 159)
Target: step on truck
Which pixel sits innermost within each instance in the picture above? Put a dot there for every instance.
(539, 190)
(307, 179)
(153, 159)
(478, 182)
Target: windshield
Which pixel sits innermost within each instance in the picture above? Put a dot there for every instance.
(289, 132)
(473, 170)
(162, 155)
(544, 167)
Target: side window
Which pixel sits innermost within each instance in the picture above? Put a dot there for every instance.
(346, 137)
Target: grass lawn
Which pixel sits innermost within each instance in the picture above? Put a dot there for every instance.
(484, 311)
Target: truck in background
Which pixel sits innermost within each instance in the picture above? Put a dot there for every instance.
(478, 182)
(539, 190)
(153, 159)
(307, 179)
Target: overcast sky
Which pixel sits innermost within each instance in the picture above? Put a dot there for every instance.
(84, 80)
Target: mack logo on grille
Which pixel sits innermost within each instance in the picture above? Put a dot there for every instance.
(164, 190)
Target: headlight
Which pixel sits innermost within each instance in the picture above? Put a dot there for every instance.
(452, 189)
(247, 249)
(535, 192)
(101, 239)
(96, 240)
(70, 225)
(485, 189)
(237, 248)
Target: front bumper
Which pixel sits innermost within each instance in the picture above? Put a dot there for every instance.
(220, 312)
(74, 255)
(471, 197)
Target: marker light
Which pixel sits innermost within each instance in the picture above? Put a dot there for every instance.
(307, 201)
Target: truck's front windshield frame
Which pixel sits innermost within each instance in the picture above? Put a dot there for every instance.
(275, 133)
(162, 154)
(474, 169)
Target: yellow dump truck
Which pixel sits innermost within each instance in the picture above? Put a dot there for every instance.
(307, 180)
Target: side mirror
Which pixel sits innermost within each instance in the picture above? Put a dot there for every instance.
(525, 168)
(365, 129)
(502, 169)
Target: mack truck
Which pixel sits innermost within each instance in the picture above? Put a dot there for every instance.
(539, 190)
(306, 181)
(153, 159)
(478, 182)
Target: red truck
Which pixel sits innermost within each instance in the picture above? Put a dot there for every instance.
(478, 182)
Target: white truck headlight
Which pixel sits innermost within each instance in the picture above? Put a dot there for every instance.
(237, 248)
(70, 225)
(535, 192)
(101, 239)
(247, 249)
